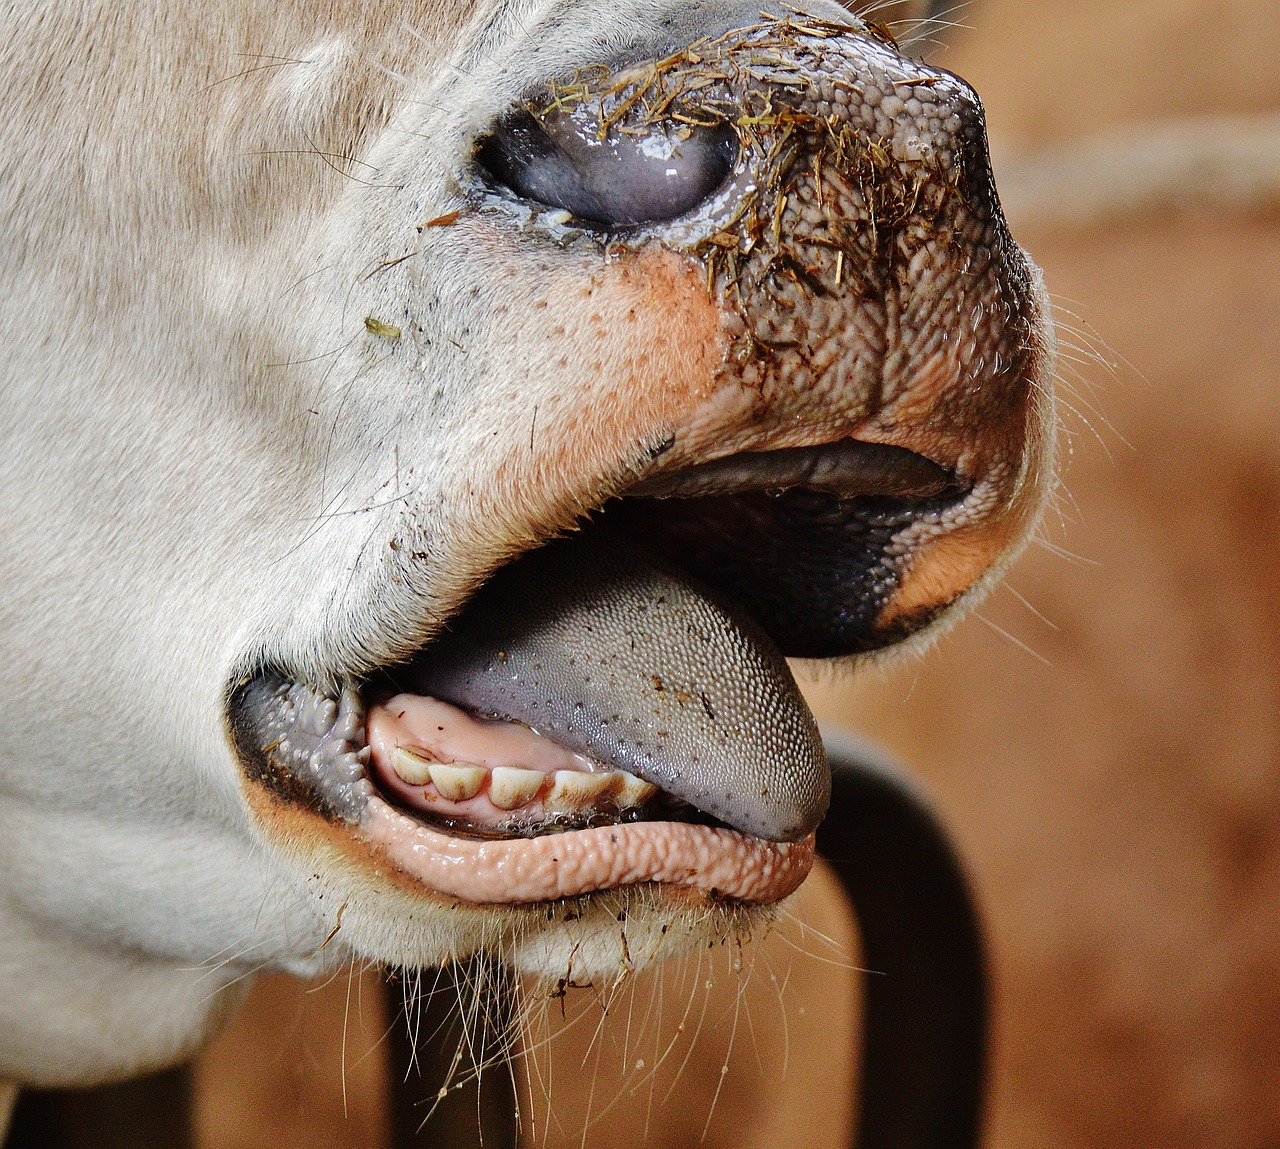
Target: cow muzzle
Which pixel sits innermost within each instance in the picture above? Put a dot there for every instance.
(858, 445)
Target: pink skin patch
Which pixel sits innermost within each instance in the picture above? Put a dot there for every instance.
(559, 865)
(579, 861)
(453, 735)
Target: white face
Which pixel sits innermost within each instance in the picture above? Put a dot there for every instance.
(313, 320)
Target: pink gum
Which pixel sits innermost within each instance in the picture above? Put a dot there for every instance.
(517, 870)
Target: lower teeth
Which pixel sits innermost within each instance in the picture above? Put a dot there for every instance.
(320, 742)
(575, 793)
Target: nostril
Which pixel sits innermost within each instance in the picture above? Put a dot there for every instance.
(565, 159)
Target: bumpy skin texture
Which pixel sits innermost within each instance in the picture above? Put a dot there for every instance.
(601, 858)
(857, 252)
(212, 463)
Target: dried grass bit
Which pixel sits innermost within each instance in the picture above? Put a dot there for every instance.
(447, 220)
(832, 194)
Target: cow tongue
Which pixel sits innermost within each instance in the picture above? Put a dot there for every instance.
(606, 652)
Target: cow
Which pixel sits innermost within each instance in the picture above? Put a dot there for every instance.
(427, 435)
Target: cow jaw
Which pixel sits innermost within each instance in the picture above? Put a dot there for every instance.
(300, 377)
(652, 682)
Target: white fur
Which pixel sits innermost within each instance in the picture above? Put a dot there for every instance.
(207, 455)
(208, 461)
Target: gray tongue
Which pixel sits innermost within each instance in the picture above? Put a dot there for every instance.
(595, 647)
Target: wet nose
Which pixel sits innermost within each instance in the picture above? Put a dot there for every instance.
(835, 197)
(747, 111)
(568, 158)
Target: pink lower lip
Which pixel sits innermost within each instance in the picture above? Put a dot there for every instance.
(519, 870)
(559, 865)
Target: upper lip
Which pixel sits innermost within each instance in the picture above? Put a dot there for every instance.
(802, 538)
(847, 469)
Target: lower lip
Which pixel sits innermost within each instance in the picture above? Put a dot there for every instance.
(718, 861)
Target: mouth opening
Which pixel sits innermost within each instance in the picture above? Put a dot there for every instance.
(629, 681)
(803, 539)
(486, 777)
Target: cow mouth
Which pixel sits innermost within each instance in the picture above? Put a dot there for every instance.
(615, 707)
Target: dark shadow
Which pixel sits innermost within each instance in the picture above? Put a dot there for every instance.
(150, 1113)
(924, 993)
(477, 1110)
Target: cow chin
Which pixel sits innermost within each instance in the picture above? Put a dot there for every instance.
(388, 918)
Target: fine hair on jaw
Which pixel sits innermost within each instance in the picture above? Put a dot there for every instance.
(644, 1019)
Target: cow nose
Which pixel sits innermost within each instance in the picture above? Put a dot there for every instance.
(569, 158)
(729, 123)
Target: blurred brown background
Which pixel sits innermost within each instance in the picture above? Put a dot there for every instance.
(1104, 738)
